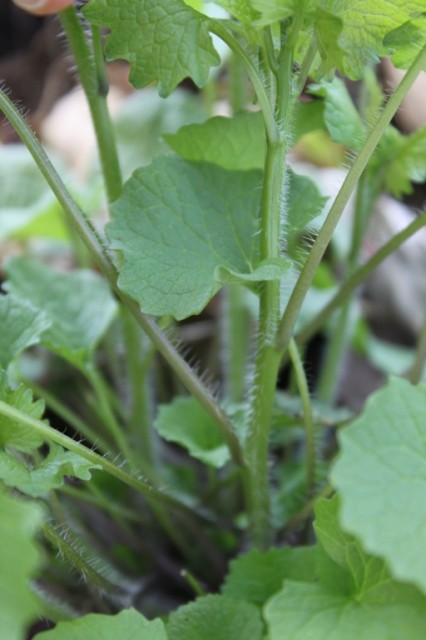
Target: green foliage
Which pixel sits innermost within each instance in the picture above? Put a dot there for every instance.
(22, 325)
(78, 305)
(353, 591)
(212, 202)
(170, 44)
(42, 477)
(381, 477)
(20, 559)
(126, 624)
(185, 422)
(173, 224)
(216, 618)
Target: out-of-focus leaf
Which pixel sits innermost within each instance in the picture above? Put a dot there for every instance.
(21, 327)
(12, 433)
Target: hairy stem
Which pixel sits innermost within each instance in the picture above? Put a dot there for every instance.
(354, 280)
(91, 70)
(95, 245)
(302, 385)
(300, 290)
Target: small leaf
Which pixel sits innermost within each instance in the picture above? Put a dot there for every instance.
(12, 433)
(185, 422)
(216, 618)
(174, 224)
(20, 558)
(79, 305)
(381, 475)
(407, 40)
(277, 10)
(400, 160)
(254, 577)
(163, 40)
(21, 327)
(341, 118)
(364, 26)
(47, 475)
(241, 9)
(305, 202)
(236, 143)
(128, 624)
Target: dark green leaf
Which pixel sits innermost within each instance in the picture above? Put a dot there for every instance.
(175, 224)
(255, 576)
(216, 617)
(164, 40)
(304, 204)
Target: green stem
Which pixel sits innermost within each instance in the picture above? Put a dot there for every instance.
(95, 245)
(307, 509)
(107, 415)
(235, 330)
(69, 417)
(306, 66)
(300, 290)
(50, 434)
(272, 130)
(348, 287)
(89, 63)
(302, 385)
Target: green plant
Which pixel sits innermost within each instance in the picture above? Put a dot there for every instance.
(223, 210)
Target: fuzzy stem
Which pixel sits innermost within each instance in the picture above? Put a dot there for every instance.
(50, 434)
(358, 277)
(302, 384)
(94, 243)
(300, 290)
(267, 358)
(89, 63)
(69, 416)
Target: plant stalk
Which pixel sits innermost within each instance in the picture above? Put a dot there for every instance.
(317, 251)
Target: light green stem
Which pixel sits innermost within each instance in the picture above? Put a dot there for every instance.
(301, 288)
(302, 385)
(359, 276)
(92, 75)
(50, 434)
(96, 247)
(69, 416)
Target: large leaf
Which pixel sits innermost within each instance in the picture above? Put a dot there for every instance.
(20, 558)
(49, 474)
(185, 422)
(21, 326)
(178, 226)
(364, 25)
(163, 40)
(255, 577)
(128, 624)
(354, 593)
(215, 617)
(232, 143)
(79, 305)
(12, 433)
(381, 476)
